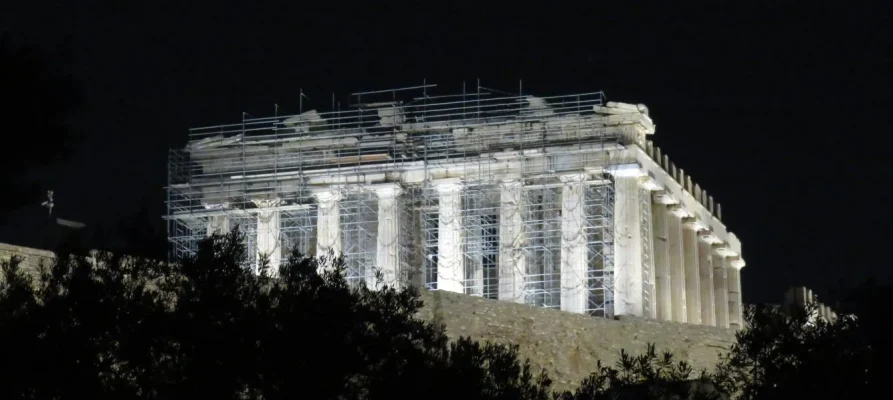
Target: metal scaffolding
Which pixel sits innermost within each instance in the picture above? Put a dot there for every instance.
(359, 228)
(298, 229)
(226, 165)
(248, 225)
(480, 229)
(429, 225)
(225, 168)
(542, 227)
(599, 228)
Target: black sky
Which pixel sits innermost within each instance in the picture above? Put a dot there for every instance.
(782, 114)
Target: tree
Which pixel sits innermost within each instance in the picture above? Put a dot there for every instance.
(870, 303)
(102, 325)
(781, 354)
(787, 354)
(131, 328)
(649, 376)
(70, 329)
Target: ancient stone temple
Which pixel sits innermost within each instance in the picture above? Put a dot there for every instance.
(557, 202)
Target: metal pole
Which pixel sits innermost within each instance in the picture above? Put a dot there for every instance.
(301, 101)
(276, 117)
(463, 99)
(171, 249)
(244, 181)
(520, 95)
(479, 98)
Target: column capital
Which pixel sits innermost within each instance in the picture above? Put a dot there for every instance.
(723, 250)
(645, 182)
(678, 210)
(386, 190)
(327, 195)
(708, 237)
(737, 263)
(266, 202)
(662, 197)
(694, 224)
(447, 185)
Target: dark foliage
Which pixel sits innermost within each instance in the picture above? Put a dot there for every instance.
(787, 354)
(870, 303)
(649, 376)
(130, 328)
(102, 326)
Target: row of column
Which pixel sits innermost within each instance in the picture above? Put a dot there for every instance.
(451, 274)
(268, 238)
(329, 240)
(328, 234)
(697, 279)
(628, 278)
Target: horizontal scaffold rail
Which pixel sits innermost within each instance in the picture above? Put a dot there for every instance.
(477, 110)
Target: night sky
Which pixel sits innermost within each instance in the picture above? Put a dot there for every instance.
(782, 115)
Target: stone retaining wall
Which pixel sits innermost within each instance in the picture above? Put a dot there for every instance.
(31, 258)
(568, 345)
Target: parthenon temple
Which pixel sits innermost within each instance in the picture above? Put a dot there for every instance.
(560, 202)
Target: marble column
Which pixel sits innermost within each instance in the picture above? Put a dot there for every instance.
(705, 265)
(268, 229)
(574, 296)
(328, 223)
(646, 224)
(677, 264)
(692, 271)
(628, 260)
(720, 290)
(661, 262)
(450, 262)
(388, 242)
(734, 282)
(512, 262)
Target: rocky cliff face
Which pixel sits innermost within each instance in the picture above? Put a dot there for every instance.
(568, 345)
